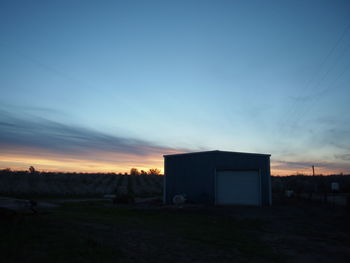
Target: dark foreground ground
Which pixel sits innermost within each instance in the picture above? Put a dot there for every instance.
(97, 231)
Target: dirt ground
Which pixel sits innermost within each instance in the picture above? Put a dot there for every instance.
(289, 231)
(302, 231)
(298, 230)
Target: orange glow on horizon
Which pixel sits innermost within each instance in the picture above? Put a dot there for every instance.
(285, 170)
(22, 163)
(105, 162)
(101, 163)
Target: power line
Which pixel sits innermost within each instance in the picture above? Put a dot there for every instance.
(46, 66)
(322, 92)
(308, 86)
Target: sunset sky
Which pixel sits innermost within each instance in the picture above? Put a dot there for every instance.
(110, 85)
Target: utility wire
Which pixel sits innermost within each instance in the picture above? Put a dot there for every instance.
(294, 109)
(300, 114)
(321, 93)
(45, 66)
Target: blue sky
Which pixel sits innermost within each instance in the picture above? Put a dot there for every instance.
(136, 79)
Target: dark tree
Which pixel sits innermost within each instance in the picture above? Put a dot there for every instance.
(134, 171)
(32, 170)
(154, 171)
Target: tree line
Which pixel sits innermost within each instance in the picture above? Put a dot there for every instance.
(33, 171)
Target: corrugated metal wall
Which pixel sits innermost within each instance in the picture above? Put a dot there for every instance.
(194, 174)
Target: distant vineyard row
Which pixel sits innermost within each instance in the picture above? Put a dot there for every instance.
(80, 184)
(309, 184)
(137, 184)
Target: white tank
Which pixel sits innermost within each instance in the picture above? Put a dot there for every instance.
(289, 193)
(179, 199)
(335, 186)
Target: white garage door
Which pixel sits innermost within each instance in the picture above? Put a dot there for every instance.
(237, 187)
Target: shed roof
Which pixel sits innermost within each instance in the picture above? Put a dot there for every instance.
(215, 151)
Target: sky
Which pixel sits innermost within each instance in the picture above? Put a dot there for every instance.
(109, 85)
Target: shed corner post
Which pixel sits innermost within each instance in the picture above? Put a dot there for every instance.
(215, 187)
(270, 183)
(164, 182)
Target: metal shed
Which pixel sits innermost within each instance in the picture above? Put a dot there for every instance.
(218, 177)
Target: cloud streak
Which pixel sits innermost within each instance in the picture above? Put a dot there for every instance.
(49, 135)
(26, 140)
(285, 167)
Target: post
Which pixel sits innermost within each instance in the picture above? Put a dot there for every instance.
(315, 183)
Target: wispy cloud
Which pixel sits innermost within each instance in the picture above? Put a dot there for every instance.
(44, 134)
(344, 157)
(288, 167)
(27, 140)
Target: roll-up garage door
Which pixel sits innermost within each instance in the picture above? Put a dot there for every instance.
(237, 187)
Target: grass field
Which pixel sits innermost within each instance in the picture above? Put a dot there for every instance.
(98, 231)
